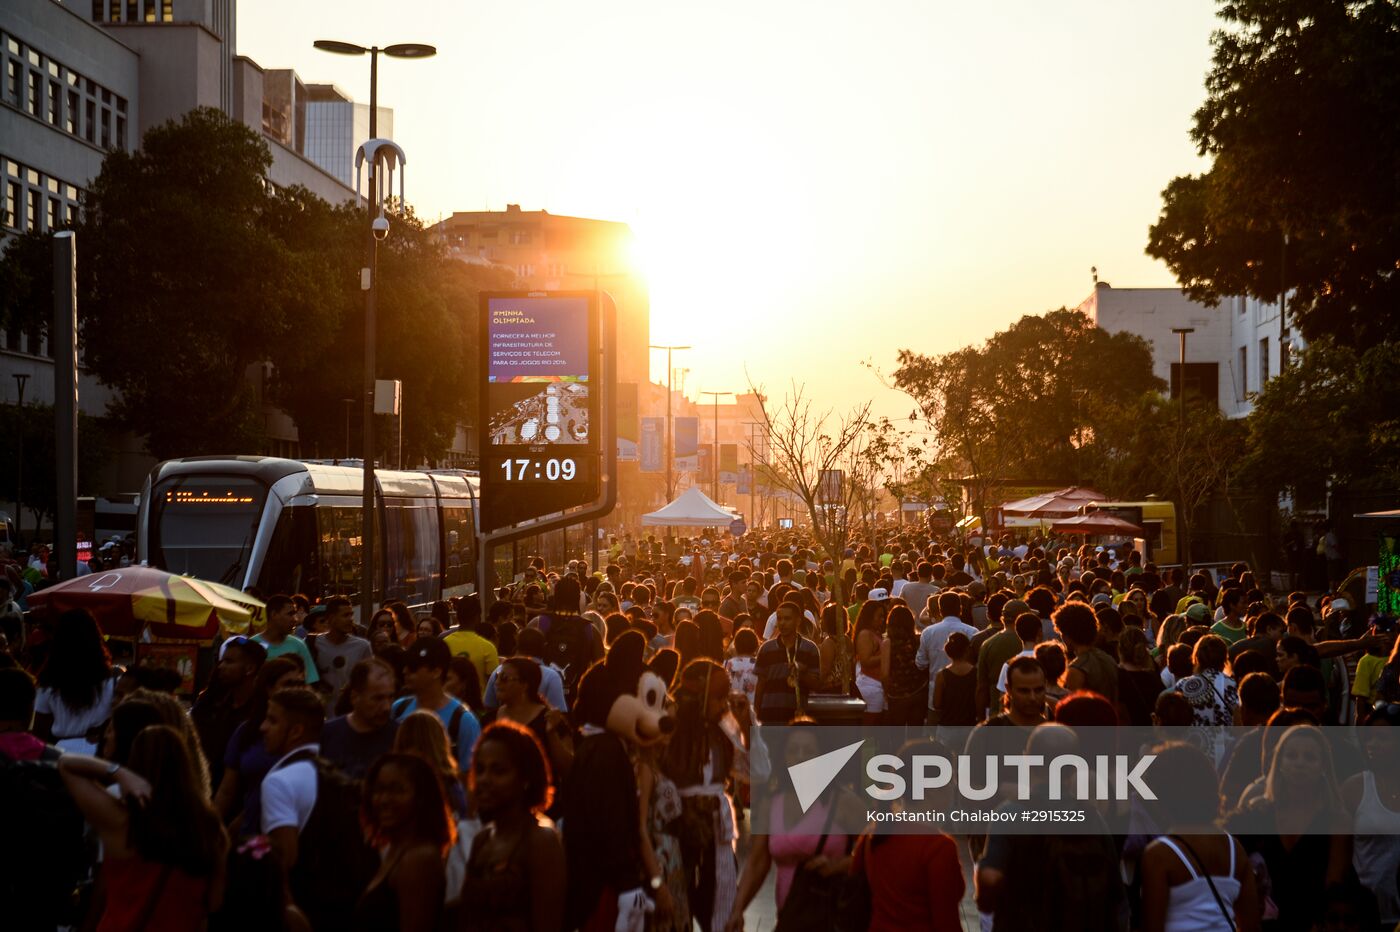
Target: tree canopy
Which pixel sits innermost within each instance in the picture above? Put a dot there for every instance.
(194, 271)
(1302, 126)
(1032, 402)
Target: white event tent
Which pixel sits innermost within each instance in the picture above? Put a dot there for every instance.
(692, 508)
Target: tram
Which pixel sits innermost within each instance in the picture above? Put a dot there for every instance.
(281, 525)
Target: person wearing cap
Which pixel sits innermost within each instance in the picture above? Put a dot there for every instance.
(1197, 614)
(425, 673)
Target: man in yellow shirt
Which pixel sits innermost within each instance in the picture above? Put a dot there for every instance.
(464, 642)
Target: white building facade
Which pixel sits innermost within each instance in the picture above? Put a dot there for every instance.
(1232, 351)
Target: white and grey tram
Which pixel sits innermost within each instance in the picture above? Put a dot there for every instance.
(289, 526)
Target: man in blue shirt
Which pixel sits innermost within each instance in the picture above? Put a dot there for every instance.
(424, 673)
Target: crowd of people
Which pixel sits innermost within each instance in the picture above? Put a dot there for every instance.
(579, 755)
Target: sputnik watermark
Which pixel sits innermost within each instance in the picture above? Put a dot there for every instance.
(1114, 778)
(1104, 778)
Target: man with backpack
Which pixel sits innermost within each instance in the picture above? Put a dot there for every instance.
(310, 813)
(38, 875)
(425, 673)
(571, 643)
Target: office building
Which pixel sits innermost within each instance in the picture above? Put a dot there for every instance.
(334, 128)
(80, 78)
(556, 253)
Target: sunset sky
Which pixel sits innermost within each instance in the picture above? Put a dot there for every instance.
(811, 184)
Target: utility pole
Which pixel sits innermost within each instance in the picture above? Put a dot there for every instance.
(1181, 333)
(372, 151)
(670, 443)
(714, 460)
(20, 379)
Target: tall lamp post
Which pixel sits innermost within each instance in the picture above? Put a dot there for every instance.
(1181, 333)
(670, 444)
(20, 379)
(373, 152)
(714, 460)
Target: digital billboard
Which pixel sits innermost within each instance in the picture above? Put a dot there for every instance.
(537, 371)
(540, 394)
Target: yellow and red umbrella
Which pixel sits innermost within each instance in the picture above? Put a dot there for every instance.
(128, 600)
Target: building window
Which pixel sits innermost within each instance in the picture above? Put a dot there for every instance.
(36, 91)
(1285, 348)
(1263, 362)
(55, 216)
(12, 91)
(121, 132)
(1202, 381)
(167, 11)
(106, 128)
(35, 197)
(54, 107)
(132, 14)
(1244, 372)
(70, 116)
(90, 121)
(12, 201)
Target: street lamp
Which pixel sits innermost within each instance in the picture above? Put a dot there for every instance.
(373, 151)
(20, 379)
(670, 446)
(1181, 369)
(714, 460)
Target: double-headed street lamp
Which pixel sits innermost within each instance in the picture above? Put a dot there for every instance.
(714, 460)
(373, 151)
(670, 443)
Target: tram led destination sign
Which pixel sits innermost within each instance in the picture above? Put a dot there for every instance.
(190, 497)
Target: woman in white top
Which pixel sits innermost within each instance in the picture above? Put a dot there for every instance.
(76, 686)
(870, 634)
(1373, 799)
(1195, 878)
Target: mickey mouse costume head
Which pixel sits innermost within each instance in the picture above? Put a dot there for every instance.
(620, 704)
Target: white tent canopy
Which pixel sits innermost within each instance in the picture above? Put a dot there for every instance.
(692, 508)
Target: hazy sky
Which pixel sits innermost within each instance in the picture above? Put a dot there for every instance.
(813, 183)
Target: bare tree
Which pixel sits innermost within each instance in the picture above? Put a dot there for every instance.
(819, 457)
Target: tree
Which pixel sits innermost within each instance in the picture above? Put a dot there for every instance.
(26, 283)
(31, 431)
(1302, 124)
(1188, 454)
(1329, 419)
(1034, 401)
(806, 447)
(185, 285)
(427, 316)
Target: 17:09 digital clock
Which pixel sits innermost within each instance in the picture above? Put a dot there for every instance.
(531, 469)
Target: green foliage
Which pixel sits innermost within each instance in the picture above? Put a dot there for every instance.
(426, 306)
(30, 432)
(26, 283)
(1033, 402)
(194, 273)
(184, 285)
(1302, 123)
(1331, 416)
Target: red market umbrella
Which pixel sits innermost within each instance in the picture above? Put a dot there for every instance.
(128, 600)
(1097, 523)
(1062, 503)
